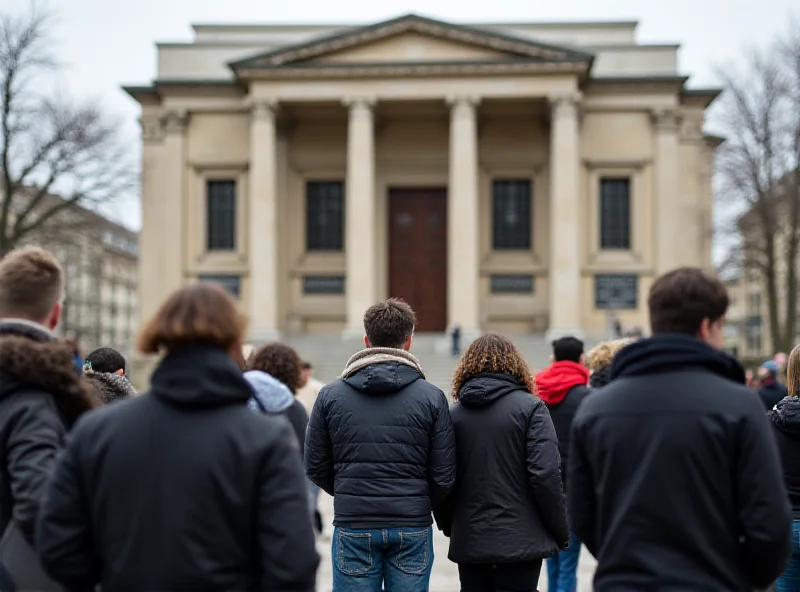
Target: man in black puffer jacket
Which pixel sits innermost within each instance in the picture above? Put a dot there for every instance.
(674, 477)
(380, 441)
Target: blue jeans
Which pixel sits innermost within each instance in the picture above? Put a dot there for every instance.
(790, 580)
(562, 568)
(400, 559)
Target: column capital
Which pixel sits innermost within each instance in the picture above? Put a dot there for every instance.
(456, 101)
(666, 119)
(365, 102)
(565, 103)
(262, 108)
(175, 121)
(152, 129)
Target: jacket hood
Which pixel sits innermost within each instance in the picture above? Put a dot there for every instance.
(553, 383)
(484, 389)
(785, 416)
(600, 377)
(666, 352)
(110, 386)
(31, 356)
(380, 370)
(200, 376)
(270, 394)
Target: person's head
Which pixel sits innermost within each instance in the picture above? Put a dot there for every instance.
(306, 371)
(691, 302)
(389, 324)
(568, 349)
(279, 361)
(793, 372)
(601, 355)
(199, 314)
(31, 286)
(781, 360)
(106, 360)
(492, 353)
(769, 369)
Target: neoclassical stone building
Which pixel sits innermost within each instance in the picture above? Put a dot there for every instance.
(515, 177)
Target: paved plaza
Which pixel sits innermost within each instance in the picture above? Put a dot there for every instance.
(445, 573)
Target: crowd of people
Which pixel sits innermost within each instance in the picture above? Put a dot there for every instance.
(652, 453)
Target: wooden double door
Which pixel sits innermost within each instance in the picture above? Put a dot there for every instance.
(418, 253)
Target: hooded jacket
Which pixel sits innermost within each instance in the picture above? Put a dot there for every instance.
(41, 396)
(562, 386)
(273, 397)
(771, 392)
(380, 441)
(182, 488)
(110, 386)
(675, 482)
(785, 420)
(507, 504)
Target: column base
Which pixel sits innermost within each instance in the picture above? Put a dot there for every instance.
(261, 335)
(554, 333)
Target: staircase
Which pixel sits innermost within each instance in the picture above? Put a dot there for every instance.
(329, 353)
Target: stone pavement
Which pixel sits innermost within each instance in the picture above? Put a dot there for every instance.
(445, 573)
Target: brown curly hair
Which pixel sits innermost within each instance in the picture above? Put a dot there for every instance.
(279, 361)
(496, 354)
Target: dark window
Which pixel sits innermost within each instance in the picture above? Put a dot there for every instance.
(230, 282)
(511, 215)
(512, 284)
(323, 284)
(616, 291)
(221, 215)
(615, 213)
(325, 216)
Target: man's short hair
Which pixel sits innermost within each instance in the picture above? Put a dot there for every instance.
(568, 349)
(31, 284)
(106, 359)
(389, 323)
(680, 299)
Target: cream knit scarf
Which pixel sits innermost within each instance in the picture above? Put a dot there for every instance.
(379, 355)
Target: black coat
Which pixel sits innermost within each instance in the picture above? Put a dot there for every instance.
(41, 395)
(785, 420)
(507, 504)
(183, 488)
(675, 482)
(298, 417)
(771, 392)
(381, 443)
(562, 415)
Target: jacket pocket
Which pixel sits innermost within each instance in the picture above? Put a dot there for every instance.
(414, 553)
(353, 552)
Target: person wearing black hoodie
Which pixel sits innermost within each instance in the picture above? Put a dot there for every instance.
(380, 441)
(184, 487)
(506, 512)
(785, 420)
(675, 482)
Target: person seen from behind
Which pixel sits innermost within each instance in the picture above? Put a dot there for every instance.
(785, 420)
(105, 368)
(184, 487)
(307, 395)
(563, 386)
(674, 477)
(506, 512)
(380, 441)
(41, 396)
(600, 358)
(770, 389)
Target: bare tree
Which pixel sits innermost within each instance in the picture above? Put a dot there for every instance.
(49, 145)
(758, 166)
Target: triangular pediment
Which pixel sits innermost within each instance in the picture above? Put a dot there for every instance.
(411, 40)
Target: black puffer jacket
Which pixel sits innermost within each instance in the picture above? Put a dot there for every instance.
(41, 395)
(785, 419)
(381, 442)
(507, 505)
(675, 482)
(183, 488)
(771, 392)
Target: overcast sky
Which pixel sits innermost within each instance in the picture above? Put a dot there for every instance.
(107, 43)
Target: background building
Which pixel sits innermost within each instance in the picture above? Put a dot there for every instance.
(518, 177)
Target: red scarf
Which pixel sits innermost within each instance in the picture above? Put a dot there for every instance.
(553, 383)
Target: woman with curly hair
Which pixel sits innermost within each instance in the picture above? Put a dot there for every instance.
(507, 511)
(600, 358)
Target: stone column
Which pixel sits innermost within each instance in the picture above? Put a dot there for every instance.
(565, 216)
(463, 244)
(172, 202)
(360, 241)
(263, 223)
(666, 125)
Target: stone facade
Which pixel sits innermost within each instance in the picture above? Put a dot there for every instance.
(514, 177)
